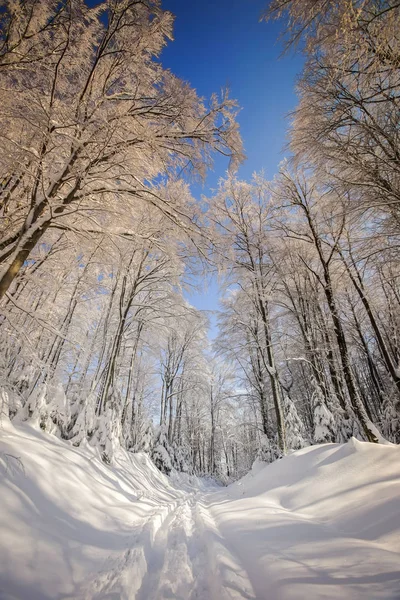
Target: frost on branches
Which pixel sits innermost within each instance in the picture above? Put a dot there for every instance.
(101, 117)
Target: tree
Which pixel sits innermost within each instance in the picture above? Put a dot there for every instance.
(295, 431)
(324, 422)
(346, 120)
(241, 214)
(305, 196)
(100, 118)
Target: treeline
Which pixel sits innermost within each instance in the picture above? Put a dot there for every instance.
(98, 228)
(313, 315)
(100, 235)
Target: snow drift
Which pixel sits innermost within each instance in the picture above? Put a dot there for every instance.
(65, 515)
(322, 523)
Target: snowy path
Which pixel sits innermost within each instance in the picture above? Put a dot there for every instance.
(176, 553)
(322, 524)
(215, 546)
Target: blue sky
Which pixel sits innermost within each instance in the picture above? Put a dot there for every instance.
(222, 43)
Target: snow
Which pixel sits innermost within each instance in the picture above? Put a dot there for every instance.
(321, 523)
(67, 516)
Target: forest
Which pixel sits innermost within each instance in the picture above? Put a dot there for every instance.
(101, 237)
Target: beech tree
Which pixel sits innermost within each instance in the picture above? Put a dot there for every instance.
(346, 123)
(90, 118)
(241, 216)
(316, 280)
(304, 196)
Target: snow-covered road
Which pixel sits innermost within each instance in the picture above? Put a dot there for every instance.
(322, 524)
(225, 545)
(177, 552)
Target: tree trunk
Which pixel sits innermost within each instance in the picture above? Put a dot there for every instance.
(359, 287)
(368, 427)
(269, 363)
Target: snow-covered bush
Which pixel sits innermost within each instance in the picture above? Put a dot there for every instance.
(58, 407)
(35, 409)
(86, 421)
(146, 440)
(4, 405)
(162, 454)
(296, 436)
(109, 431)
(391, 419)
(182, 459)
(325, 427)
(268, 450)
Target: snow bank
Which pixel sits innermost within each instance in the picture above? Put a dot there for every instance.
(322, 523)
(65, 514)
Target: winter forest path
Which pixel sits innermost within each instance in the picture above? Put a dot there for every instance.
(176, 553)
(322, 523)
(229, 544)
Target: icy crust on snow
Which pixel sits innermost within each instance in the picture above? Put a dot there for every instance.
(322, 523)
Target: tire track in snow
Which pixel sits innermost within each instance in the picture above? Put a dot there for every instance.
(121, 577)
(176, 553)
(190, 561)
(176, 564)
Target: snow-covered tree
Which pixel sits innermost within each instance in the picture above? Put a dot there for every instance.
(296, 434)
(85, 423)
(391, 419)
(325, 426)
(241, 214)
(100, 118)
(162, 454)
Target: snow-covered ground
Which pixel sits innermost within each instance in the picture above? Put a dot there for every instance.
(322, 523)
